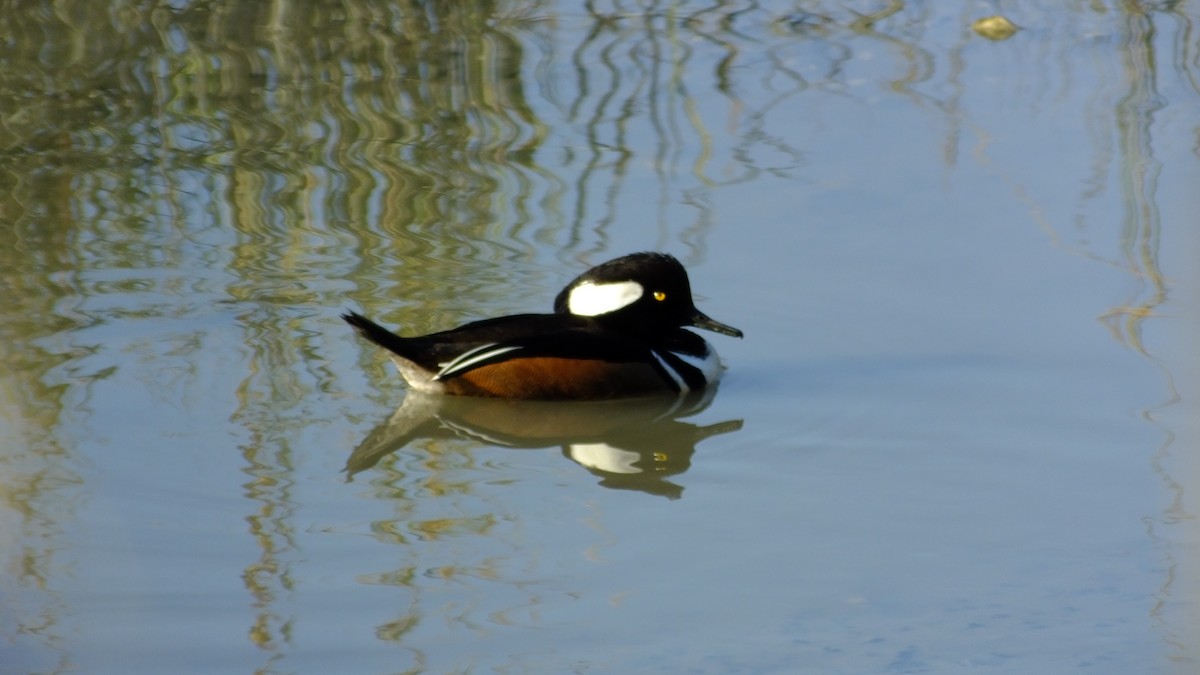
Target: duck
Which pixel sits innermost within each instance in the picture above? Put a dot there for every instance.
(617, 330)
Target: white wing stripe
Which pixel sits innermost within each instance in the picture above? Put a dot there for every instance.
(468, 359)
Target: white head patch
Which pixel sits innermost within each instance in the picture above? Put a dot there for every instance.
(589, 299)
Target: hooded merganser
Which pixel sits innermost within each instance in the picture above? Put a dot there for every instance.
(617, 330)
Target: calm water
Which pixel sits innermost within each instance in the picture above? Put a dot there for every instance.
(959, 436)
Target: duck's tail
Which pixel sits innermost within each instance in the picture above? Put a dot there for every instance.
(377, 334)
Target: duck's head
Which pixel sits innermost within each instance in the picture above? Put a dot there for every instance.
(641, 293)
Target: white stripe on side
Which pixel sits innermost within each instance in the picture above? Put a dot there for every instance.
(709, 365)
(467, 360)
(680, 383)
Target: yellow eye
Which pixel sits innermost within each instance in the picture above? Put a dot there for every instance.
(660, 296)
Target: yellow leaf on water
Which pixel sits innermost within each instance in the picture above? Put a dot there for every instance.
(995, 28)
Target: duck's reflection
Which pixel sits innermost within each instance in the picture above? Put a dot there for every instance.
(630, 444)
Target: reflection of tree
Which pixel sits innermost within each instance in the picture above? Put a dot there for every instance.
(636, 104)
(405, 129)
(38, 500)
(1141, 234)
(131, 146)
(1138, 180)
(1119, 200)
(45, 383)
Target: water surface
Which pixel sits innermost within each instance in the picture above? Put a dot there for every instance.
(958, 436)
